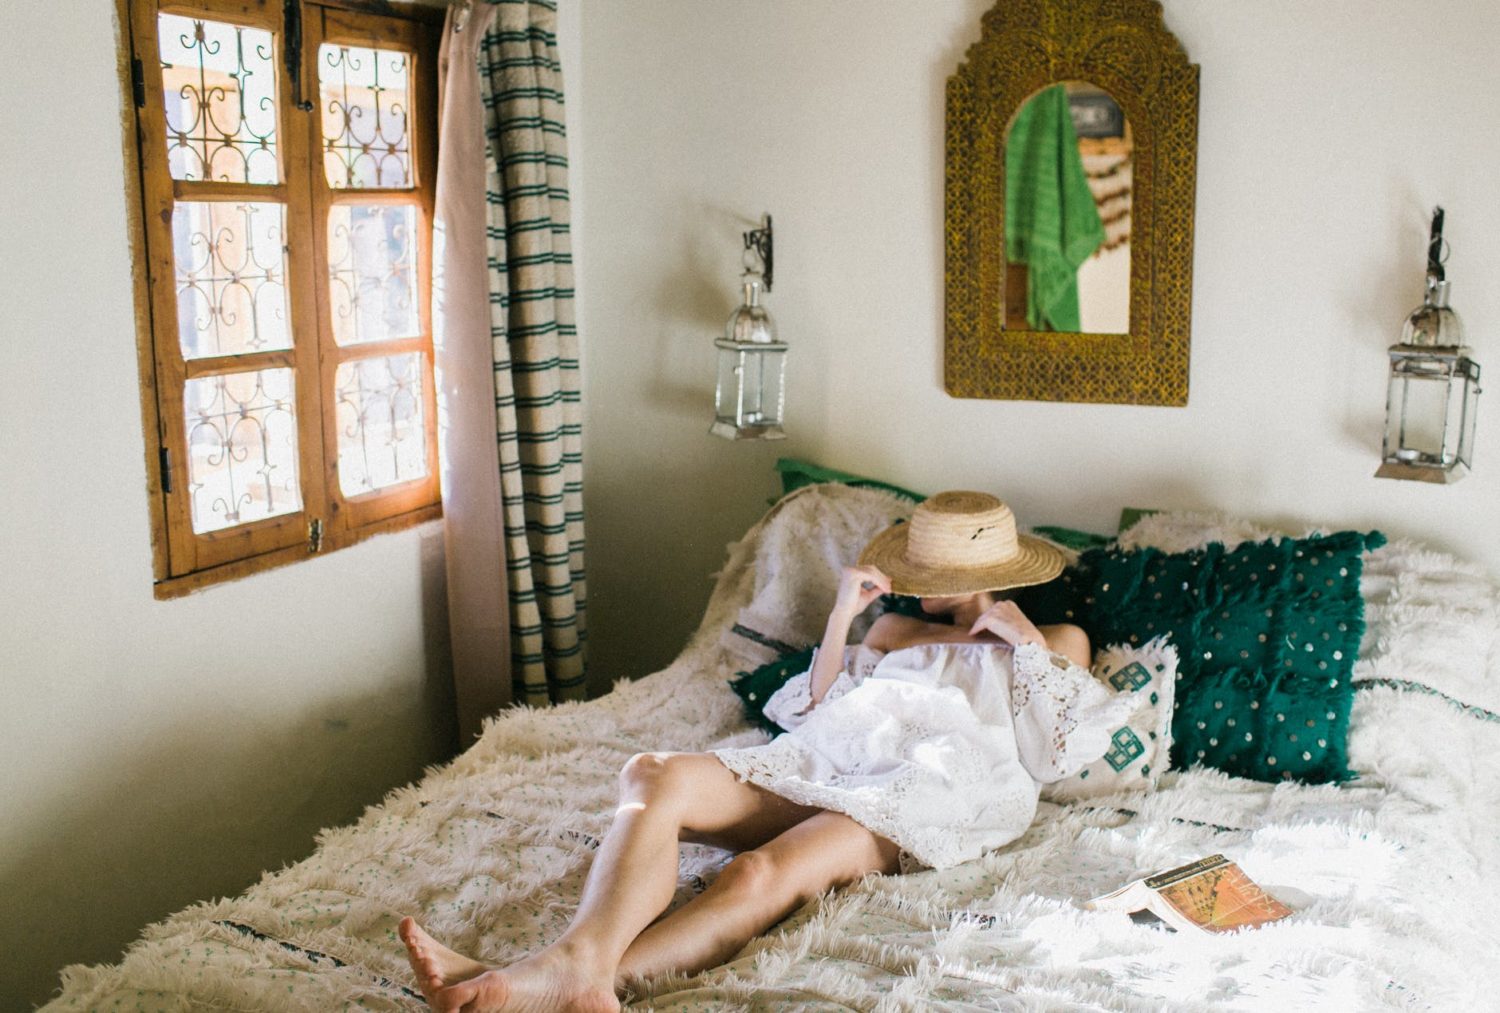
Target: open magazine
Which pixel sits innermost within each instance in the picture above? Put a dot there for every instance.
(1212, 894)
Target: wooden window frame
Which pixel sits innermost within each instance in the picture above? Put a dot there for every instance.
(182, 560)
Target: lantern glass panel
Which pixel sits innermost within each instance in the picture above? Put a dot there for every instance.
(749, 391)
(1417, 416)
(1471, 406)
(752, 385)
(1453, 420)
(727, 388)
(772, 385)
(763, 375)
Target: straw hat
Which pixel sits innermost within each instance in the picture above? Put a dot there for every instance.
(960, 543)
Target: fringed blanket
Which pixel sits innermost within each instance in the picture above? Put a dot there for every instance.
(1388, 873)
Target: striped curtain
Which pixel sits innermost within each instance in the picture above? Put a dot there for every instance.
(538, 411)
(506, 352)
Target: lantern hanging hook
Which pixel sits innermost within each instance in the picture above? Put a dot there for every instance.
(760, 241)
(1437, 247)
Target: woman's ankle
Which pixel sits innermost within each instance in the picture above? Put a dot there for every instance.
(587, 956)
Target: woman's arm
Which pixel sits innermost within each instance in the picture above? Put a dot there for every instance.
(858, 587)
(1070, 641)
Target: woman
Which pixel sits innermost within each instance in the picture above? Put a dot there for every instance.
(925, 746)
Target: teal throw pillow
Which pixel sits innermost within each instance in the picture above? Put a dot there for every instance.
(755, 688)
(1267, 635)
(1071, 538)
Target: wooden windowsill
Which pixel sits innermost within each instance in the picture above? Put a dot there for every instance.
(176, 587)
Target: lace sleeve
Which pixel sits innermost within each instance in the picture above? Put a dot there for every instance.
(790, 705)
(1064, 716)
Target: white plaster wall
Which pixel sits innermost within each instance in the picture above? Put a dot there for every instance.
(154, 753)
(1328, 130)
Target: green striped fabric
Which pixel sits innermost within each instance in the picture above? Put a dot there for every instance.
(538, 411)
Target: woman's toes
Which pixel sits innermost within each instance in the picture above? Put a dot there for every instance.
(436, 966)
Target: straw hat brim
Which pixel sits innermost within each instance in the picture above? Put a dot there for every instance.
(1035, 562)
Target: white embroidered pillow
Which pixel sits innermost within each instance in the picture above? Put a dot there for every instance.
(1139, 749)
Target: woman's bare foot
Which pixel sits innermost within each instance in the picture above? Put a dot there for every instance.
(435, 966)
(548, 982)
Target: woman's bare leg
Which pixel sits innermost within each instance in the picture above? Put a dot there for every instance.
(755, 891)
(664, 797)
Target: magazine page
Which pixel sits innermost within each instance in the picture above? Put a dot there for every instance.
(1221, 898)
(1212, 894)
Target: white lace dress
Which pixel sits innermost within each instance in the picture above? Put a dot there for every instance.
(939, 748)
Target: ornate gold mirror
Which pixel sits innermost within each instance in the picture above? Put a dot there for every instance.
(1071, 155)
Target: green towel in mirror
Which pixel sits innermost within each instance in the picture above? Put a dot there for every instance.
(1051, 222)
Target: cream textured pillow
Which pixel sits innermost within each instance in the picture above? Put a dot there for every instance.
(1141, 746)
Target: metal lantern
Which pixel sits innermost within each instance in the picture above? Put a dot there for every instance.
(750, 394)
(1433, 388)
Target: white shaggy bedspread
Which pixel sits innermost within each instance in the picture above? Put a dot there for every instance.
(1387, 873)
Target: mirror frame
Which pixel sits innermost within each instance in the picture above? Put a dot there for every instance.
(1124, 47)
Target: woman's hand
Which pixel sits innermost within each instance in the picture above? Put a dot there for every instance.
(858, 587)
(1006, 620)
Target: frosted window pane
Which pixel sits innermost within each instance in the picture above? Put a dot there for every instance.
(366, 98)
(230, 264)
(219, 90)
(242, 447)
(372, 268)
(382, 440)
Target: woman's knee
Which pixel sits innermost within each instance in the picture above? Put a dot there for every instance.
(753, 874)
(769, 882)
(653, 775)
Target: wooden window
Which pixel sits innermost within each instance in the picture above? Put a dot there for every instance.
(285, 155)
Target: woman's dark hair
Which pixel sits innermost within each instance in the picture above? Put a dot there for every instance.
(909, 605)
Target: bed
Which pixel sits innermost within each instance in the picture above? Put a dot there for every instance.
(1386, 871)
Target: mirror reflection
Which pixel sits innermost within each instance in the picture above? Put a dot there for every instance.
(1067, 213)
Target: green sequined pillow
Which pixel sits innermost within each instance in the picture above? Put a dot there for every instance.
(1267, 635)
(755, 688)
